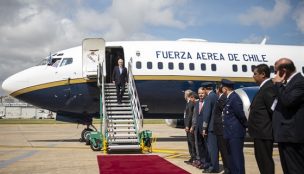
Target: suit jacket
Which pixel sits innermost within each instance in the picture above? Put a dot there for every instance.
(120, 78)
(217, 115)
(235, 121)
(288, 117)
(207, 112)
(189, 114)
(197, 118)
(260, 116)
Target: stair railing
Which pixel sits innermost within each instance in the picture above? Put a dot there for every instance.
(103, 111)
(135, 104)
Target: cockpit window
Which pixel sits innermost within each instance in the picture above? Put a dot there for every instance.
(43, 62)
(66, 61)
(55, 62)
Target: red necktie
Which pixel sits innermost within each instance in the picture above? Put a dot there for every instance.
(200, 106)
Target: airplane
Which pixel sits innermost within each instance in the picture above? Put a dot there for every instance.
(162, 71)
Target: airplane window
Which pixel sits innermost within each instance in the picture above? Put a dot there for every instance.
(181, 66)
(213, 67)
(253, 67)
(138, 65)
(55, 62)
(43, 62)
(170, 66)
(234, 68)
(244, 68)
(149, 65)
(271, 69)
(302, 69)
(160, 65)
(66, 61)
(191, 66)
(203, 67)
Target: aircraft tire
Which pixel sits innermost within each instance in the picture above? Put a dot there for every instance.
(85, 135)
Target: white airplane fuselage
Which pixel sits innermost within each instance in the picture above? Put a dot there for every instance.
(162, 71)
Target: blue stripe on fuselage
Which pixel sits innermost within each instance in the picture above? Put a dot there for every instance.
(164, 99)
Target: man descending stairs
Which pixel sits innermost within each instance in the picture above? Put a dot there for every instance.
(121, 128)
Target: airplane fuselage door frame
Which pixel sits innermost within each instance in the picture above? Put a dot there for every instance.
(93, 52)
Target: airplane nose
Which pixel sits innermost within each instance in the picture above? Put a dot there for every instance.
(16, 82)
(7, 85)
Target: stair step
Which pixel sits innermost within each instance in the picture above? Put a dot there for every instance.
(113, 136)
(124, 147)
(115, 97)
(121, 130)
(120, 116)
(121, 121)
(119, 108)
(113, 92)
(112, 100)
(121, 140)
(118, 105)
(121, 125)
(120, 112)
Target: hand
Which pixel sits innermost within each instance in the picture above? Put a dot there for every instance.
(187, 129)
(279, 77)
(204, 133)
(191, 130)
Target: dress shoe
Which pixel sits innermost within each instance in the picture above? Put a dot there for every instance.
(210, 171)
(226, 171)
(189, 161)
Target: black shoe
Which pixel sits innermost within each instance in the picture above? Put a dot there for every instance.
(189, 161)
(226, 171)
(210, 171)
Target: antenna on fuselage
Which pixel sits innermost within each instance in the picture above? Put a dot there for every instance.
(50, 59)
(264, 41)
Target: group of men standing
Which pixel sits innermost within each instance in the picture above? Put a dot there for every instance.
(217, 123)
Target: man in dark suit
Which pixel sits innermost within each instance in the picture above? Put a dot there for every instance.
(207, 126)
(120, 77)
(190, 98)
(288, 116)
(218, 127)
(201, 150)
(260, 119)
(234, 125)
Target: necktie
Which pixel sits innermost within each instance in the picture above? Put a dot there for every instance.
(200, 106)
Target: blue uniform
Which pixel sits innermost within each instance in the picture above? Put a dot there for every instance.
(234, 127)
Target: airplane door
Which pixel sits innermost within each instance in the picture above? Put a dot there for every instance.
(93, 52)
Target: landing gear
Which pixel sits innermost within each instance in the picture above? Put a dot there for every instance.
(85, 134)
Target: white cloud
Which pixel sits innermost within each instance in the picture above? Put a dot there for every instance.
(266, 18)
(31, 29)
(299, 16)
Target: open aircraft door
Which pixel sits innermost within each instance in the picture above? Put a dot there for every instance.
(93, 53)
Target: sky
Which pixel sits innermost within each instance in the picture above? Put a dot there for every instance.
(31, 29)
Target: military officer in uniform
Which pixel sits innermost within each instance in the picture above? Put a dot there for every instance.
(234, 126)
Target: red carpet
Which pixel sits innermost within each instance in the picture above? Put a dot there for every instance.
(146, 164)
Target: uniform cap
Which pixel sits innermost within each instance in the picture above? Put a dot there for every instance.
(227, 83)
(207, 84)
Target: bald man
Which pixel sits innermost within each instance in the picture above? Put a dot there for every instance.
(288, 116)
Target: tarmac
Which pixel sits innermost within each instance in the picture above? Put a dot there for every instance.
(55, 148)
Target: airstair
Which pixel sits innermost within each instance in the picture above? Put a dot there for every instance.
(122, 128)
(121, 124)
